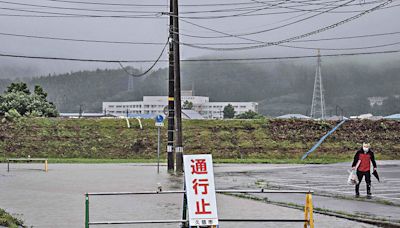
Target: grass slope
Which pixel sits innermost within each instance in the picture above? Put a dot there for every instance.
(272, 141)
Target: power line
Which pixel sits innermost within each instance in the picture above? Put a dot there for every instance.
(199, 60)
(196, 5)
(290, 57)
(84, 15)
(78, 59)
(80, 40)
(348, 37)
(342, 49)
(244, 43)
(274, 13)
(266, 44)
(150, 5)
(80, 16)
(152, 16)
(78, 9)
(251, 8)
(165, 5)
(150, 68)
(132, 11)
(325, 4)
(267, 30)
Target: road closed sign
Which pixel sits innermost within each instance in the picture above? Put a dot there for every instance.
(200, 190)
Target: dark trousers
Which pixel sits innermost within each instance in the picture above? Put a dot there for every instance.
(360, 176)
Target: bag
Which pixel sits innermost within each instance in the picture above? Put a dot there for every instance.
(353, 179)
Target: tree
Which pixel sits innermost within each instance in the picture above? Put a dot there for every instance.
(249, 115)
(187, 105)
(40, 92)
(229, 112)
(18, 87)
(19, 99)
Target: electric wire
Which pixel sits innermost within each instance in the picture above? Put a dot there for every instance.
(78, 9)
(275, 13)
(342, 49)
(159, 43)
(150, 68)
(255, 8)
(164, 5)
(133, 11)
(200, 60)
(80, 40)
(298, 37)
(155, 15)
(149, 5)
(84, 15)
(193, 5)
(265, 30)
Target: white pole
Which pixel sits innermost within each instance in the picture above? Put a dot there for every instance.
(158, 149)
(127, 122)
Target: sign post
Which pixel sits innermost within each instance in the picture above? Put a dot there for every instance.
(200, 190)
(159, 123)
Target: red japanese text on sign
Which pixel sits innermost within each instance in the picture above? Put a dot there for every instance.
(201, 207)
(200, 183)
(199, 166)
(200, 190)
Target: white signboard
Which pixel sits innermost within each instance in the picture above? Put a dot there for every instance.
(200, 190)
(159, 124)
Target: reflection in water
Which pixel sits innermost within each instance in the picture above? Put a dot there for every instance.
(175, 182)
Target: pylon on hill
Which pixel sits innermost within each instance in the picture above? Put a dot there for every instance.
(318, 100)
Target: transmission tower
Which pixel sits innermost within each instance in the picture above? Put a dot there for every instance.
(130, 83)
(318, 100)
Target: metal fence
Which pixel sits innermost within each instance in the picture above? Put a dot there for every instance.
(308, 208)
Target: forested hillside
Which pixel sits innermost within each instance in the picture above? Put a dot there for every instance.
(279, 87)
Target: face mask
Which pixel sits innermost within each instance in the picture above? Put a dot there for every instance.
(365, 149)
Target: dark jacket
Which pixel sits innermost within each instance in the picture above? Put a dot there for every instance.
(357, 155)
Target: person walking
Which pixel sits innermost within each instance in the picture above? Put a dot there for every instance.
(362, 163)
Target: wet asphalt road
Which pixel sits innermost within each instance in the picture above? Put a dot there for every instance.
(326, 180)
(56, 198)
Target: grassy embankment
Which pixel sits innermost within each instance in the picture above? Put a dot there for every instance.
(247, 141)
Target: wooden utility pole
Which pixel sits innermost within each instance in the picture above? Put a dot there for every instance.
(177, 74)
(171, 92)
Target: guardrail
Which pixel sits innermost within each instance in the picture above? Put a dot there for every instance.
(308, 208)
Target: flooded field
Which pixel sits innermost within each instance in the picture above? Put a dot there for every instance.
(56, 198)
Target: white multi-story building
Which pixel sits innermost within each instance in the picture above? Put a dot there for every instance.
(376, 101)
(158, 104)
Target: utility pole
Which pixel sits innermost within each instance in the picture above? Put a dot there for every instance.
(177, 74)
(171, 92)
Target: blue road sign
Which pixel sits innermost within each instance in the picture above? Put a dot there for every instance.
(159, 118)
(159, 121)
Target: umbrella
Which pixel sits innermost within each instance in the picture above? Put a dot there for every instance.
(375, 173)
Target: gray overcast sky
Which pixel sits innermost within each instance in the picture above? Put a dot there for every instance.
(271, 13)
